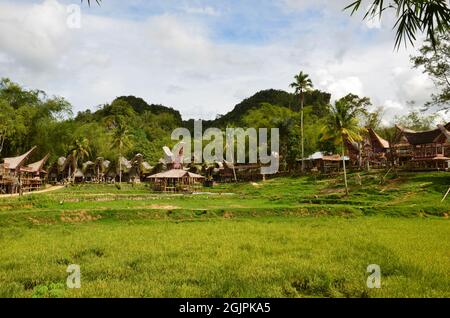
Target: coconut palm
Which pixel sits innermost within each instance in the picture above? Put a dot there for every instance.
(412, 17)
(121, 139)
(342, 126)
(79, 151)
(301, 85)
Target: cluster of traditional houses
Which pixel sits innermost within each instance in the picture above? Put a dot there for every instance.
(412, 150)
(426, 150)
(17, 176)
(100, 170)
(170, 175)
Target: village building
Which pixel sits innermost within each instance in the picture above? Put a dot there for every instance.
(17, 177)
(176, 180)
(376, 150)
(325, 163)
(423, 150)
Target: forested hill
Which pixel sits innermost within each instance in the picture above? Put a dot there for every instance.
(316, 99)
(137, 104)
(30, 118)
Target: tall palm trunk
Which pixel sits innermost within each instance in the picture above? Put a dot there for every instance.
(120, 168)
(234, 174)
(345, 168)
(2, 143)
(302, 130)
(74, 169)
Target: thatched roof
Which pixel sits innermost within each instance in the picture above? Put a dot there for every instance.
(437, 158)
(352, 146)
(16, 162)
(176, 174)
(64, 162)
(125, 163)
(78, 174)
(321, 156)
(375, 138)
(422, 137)
(335, 158)
(88, 165)
(61, 161)
(146, 166)
(106, 164)
(37, 166)
(445, 132)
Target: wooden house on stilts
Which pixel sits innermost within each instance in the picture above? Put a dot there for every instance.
(423, 150)
(17, 177)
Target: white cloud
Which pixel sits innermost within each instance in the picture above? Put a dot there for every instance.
(373, 23)
(209, 11)
(307, 4)
(391, 110)
(340, 87)
(34, 35)
(393, 105)
(176, 59)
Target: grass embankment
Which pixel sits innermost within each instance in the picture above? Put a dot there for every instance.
(240, 240)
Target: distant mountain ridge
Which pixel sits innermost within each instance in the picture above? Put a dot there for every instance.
(317, 99)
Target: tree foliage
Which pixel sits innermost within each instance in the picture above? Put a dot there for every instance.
(342, 124)
(372, 119)
(302, 84)
(129, 125)
(431, 17)
(417, 121)
(30, 118)
(435, 61)
(25, 117)
(316, 99)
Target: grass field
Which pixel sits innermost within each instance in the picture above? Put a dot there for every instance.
(286, 237)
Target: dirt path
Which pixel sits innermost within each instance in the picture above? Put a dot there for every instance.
(54, 188)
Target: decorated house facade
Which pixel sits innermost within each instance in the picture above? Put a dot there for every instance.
(423, 149)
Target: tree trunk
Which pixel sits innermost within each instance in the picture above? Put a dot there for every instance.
(74, 170)
(302, 131)
(360, 154)
(234, 174)
(345, 168)
(2, 143)
(120, 169)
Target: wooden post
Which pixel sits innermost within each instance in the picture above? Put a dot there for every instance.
(445, 196)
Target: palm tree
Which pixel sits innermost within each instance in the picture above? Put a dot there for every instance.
(301, 85)
(78, 151)
(342, 126)
(89, 2)
(412, 17)
(120, 140)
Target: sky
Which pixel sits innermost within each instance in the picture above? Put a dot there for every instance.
(202, 57)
